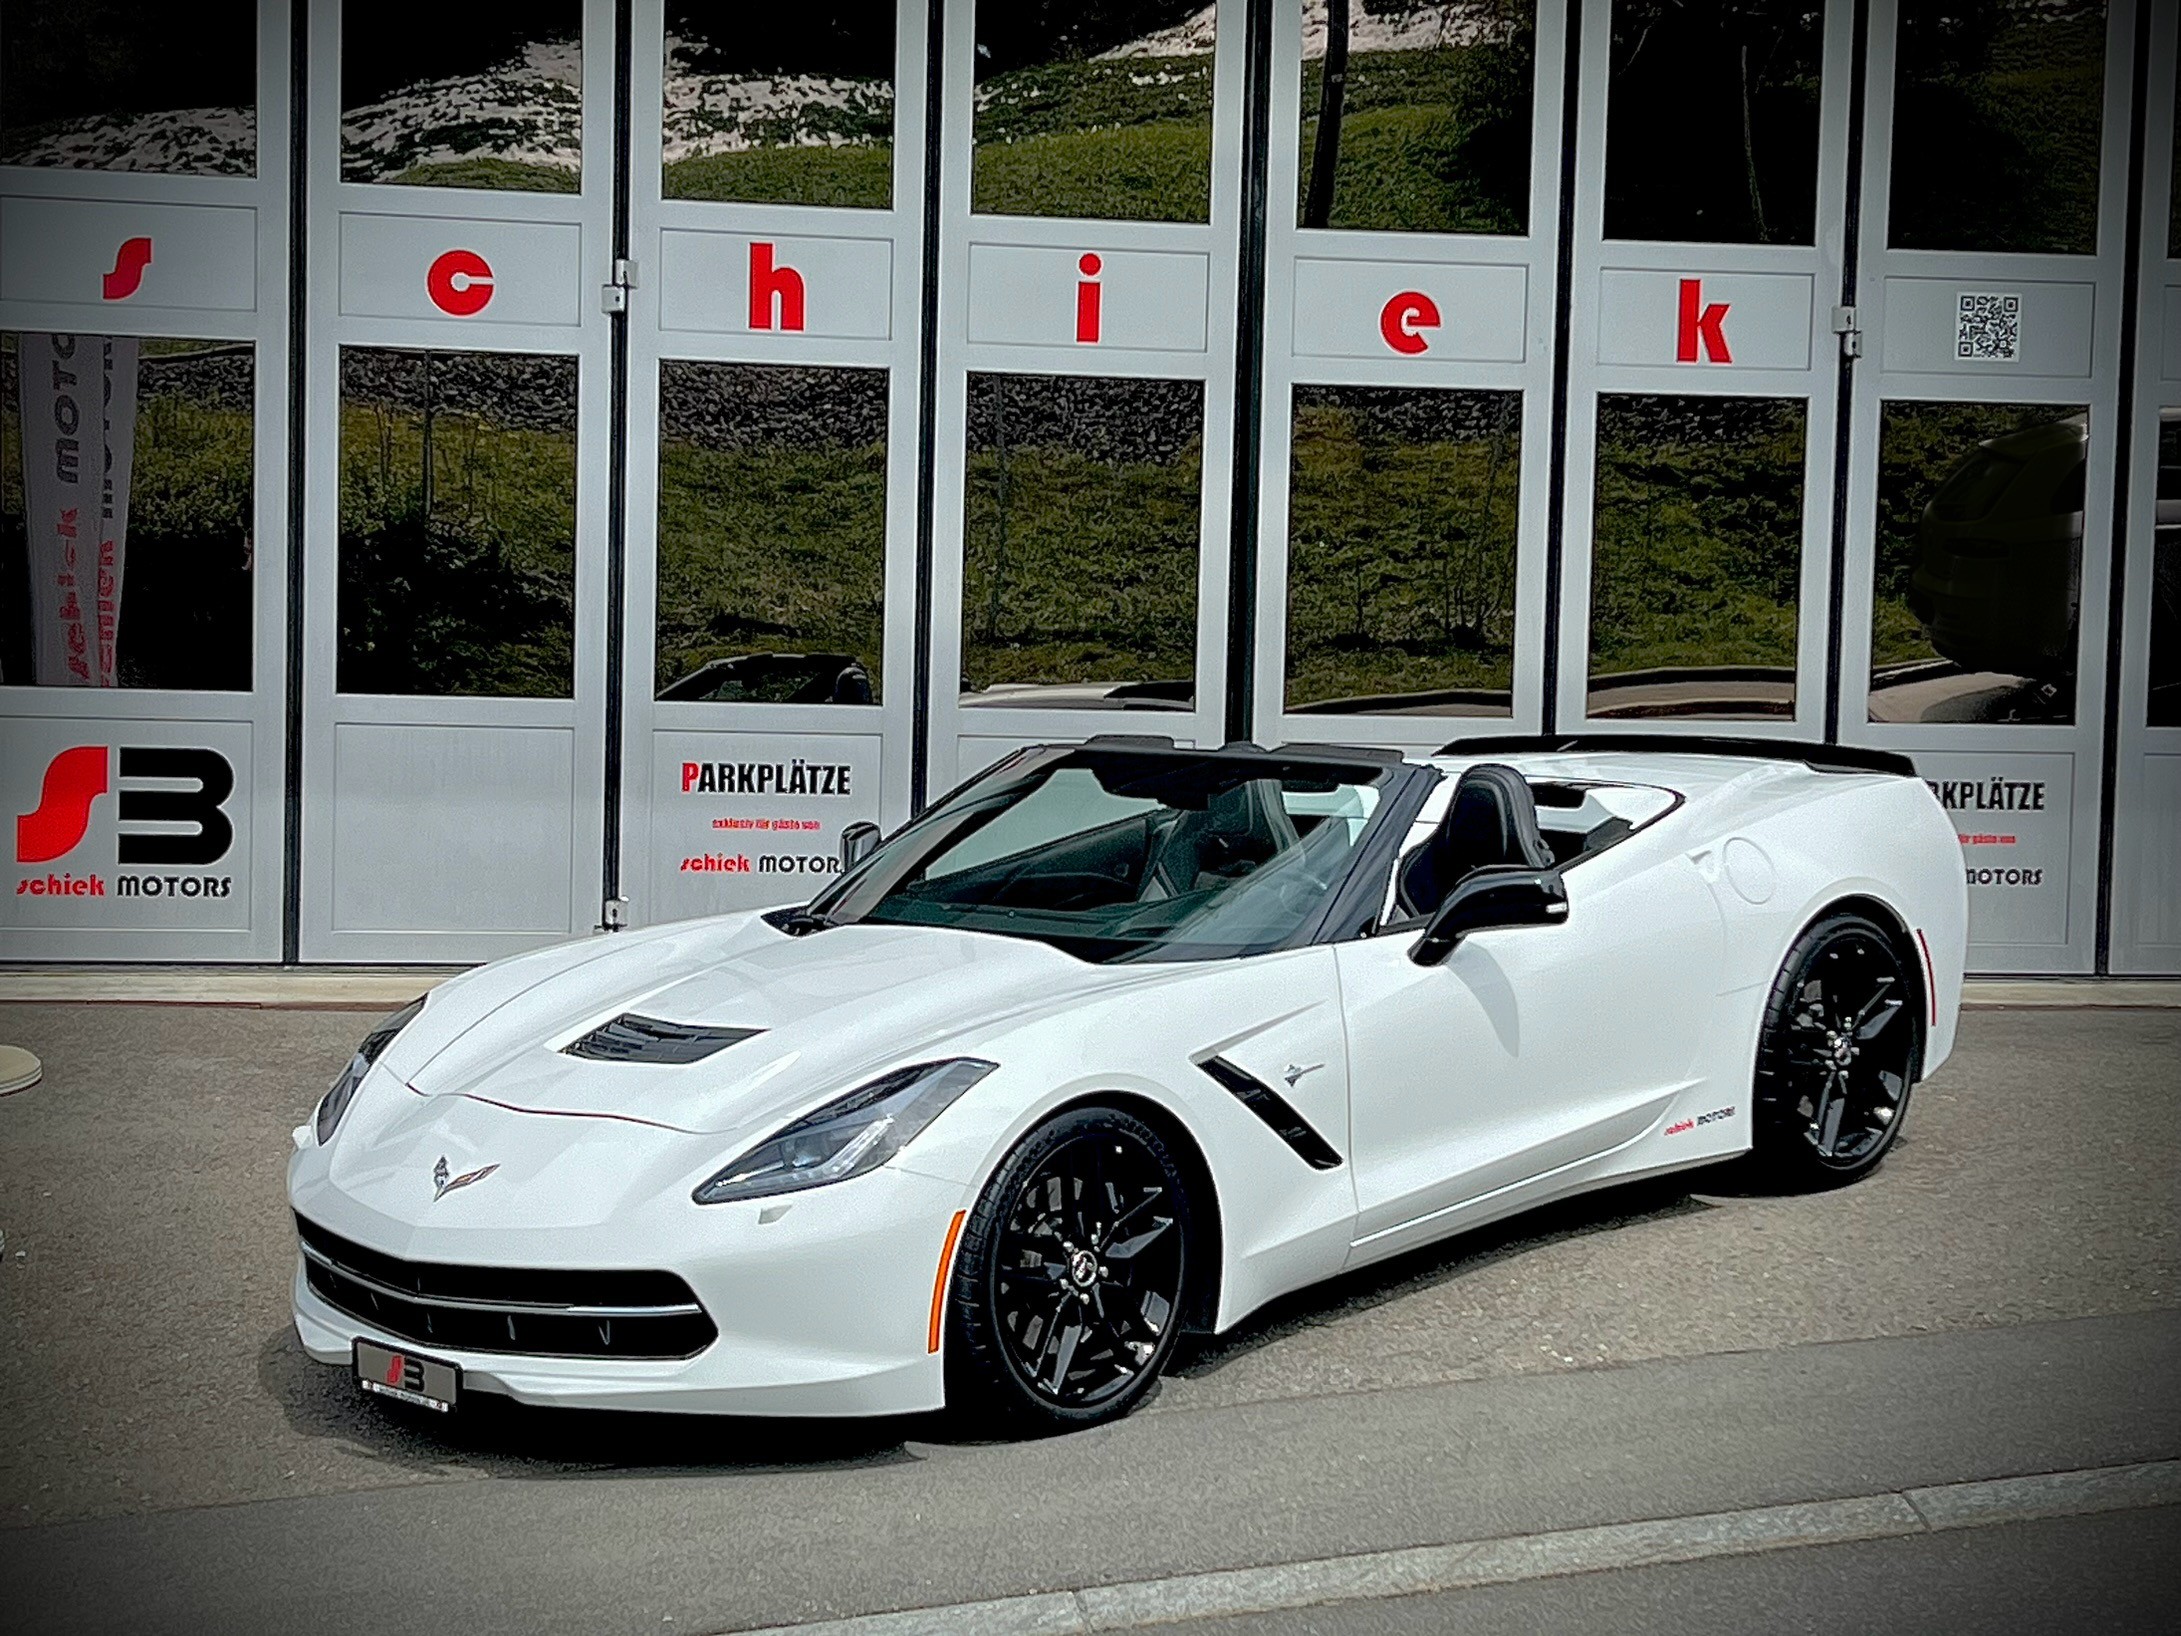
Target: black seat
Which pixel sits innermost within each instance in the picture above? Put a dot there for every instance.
(1491, 820)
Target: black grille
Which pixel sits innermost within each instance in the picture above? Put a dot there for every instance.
(531, 1311)
(630, 1038)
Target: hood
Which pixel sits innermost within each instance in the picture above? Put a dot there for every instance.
(826, 1012)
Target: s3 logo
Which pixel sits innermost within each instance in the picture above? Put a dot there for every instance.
(76, 779)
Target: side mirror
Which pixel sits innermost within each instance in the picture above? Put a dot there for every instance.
(1500, 896)
(858, 842)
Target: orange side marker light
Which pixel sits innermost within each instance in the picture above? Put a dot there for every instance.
(939, 1282)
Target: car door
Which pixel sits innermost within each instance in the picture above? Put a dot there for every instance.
(1529, 1049)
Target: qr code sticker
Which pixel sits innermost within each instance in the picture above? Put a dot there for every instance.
(1988, 328)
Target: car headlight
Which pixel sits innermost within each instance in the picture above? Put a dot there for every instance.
(335, 1102)
(848, 1136)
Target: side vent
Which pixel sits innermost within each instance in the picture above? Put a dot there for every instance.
(1276, 1111)
(630, 1038)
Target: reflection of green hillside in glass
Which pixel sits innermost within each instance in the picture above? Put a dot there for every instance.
(501, 175)
(1996, 128)
(472, 593)
(1698, 533)
(1430, 141)
(1401, 549)
(1080, 569)
(1121, 141)
(770, 549)
(857, 176)
(186, 606)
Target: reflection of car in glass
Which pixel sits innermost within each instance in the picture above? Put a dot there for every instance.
(1998, 574)
(1161, 695)
(1122, 1039)
(776, 678)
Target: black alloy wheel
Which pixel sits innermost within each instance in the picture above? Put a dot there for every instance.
(1067, 1292)
(1839, 1054)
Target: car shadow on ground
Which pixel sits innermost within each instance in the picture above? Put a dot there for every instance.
(1431, 1265)
(490, 1435)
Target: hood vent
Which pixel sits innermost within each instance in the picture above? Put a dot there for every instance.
(630, 1038)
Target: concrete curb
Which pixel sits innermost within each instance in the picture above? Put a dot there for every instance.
(1465, 1565)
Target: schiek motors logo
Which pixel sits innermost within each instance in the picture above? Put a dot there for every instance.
(443, 1184)
(169, 810)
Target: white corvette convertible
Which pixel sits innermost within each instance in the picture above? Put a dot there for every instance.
(1116, 1041)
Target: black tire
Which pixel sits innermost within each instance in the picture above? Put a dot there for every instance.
(1064, 1304)
(1840, 1052)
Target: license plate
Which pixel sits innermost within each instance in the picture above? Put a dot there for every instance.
(405, 1376)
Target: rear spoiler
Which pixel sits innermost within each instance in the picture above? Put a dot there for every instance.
(1821, 758)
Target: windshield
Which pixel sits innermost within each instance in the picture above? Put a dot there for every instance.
(1118, 855)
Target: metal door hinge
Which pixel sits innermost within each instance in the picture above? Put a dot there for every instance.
(614, 295)
(1851, 338)
(614, 915)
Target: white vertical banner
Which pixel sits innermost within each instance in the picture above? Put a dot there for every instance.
(119, 369)
(62, 386)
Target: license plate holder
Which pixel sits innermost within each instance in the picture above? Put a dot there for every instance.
(407, 1377)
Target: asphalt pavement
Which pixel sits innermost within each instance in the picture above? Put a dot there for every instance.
(1998, 1301)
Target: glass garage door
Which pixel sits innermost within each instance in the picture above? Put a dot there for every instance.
(456, 509)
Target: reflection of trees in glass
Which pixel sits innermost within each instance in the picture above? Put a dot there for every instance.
(135, 85)
(1698, 533)
(1416, 115)
(1082, 521)
(1094, 108)
(457, 523)
(787, 105)
(485, 96)
(1979, 549)
(772, 513)
(1401, 544)
(1712, 121)
(1996, 122)
(186, 570)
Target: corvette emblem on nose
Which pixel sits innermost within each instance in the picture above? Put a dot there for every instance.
(442, 1184)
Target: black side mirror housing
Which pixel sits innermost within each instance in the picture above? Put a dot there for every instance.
(1487, 898)
(858, 842)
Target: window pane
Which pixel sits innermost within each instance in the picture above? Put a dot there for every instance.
(1401, 550)
(2165, 683)
(1079, 581)
(789, 105)
(2173, 208)
(772, 533)
(486, 95)
(1698, 553)
(458, 523)
(1979, 563)
(1423, 124)
(1099, 108)
(135, 85)
(1995, 125)
(1712, 121)
(160, 596)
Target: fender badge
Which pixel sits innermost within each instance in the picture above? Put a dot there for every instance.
(443, 1184)
(1295, 1071)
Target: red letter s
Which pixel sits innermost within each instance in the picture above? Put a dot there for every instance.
(73, 780)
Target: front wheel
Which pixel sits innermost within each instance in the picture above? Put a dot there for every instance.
(1837, 1057)
(1067, 1292)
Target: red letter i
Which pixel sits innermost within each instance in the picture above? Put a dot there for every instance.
(1086, 299)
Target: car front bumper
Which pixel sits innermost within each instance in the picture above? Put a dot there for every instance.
(825, 1308)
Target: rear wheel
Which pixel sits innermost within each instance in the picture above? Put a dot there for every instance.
(1067, 1292)
(1838, 1055)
